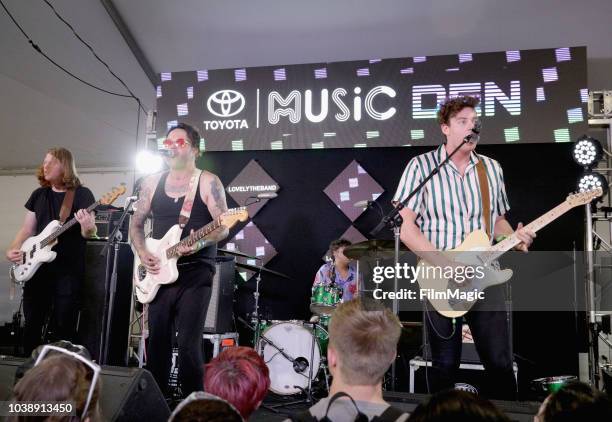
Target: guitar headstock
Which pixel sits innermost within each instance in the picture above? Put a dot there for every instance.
(583, 198)
(234, 215)
(112, 196)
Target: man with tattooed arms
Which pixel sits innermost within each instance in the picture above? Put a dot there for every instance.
(185, 301)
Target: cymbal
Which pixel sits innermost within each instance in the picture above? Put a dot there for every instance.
(373, 247)
(263, 270)
(236, 253)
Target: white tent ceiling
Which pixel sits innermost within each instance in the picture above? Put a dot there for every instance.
(41, 107)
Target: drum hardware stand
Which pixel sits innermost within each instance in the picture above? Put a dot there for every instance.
(393, 220)
(299, 363)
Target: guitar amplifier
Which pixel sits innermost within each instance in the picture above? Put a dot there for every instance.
(107, 219)
(219, 315)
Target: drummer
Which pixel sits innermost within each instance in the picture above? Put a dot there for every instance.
(339, 272)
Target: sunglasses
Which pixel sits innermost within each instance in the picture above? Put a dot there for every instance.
(95, 368)
(179, 143)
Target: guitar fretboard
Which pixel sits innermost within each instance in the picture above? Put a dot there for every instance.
(51, 238)
(190, 240)
(494, 252)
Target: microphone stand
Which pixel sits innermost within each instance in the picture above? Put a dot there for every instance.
(393, 220)
(115, 239)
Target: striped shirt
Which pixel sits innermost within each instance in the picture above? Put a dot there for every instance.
(449, 206)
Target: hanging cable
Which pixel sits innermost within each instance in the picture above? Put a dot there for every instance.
(63, 69)
(96, 55)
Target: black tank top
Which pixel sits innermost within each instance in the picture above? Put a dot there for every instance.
(165, 212)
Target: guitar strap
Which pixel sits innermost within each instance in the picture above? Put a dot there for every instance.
(484, 194)
(66, 205)
(188, 203)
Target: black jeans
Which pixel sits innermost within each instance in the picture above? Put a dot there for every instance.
(489, 327)
(51, 295)
(185, 302)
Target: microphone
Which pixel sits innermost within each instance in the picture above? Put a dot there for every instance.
(300, 364)
(266, 195)
(363, 204)
(474, 137)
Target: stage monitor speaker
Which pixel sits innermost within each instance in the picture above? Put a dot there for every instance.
(95, 295)
(515, 410)
(219, 314)
(128, 394)
(131, 394)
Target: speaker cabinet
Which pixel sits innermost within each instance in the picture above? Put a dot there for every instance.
(219, 315)
(95, 302)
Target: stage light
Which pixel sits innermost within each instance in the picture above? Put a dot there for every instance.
(587, 151)
(148, 162)
(591, 180)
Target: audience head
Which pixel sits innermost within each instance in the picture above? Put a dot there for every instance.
(240, 376)
(363, 337)
(61, 376)
(456, 405)
(204, 407)
(575, 401)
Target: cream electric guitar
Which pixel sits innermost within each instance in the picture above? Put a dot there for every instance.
(38, 249)
(166, 249)
(477, 251)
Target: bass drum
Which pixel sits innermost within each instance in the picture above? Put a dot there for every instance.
(296, 341)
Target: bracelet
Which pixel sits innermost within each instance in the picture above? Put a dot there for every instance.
(501, 238)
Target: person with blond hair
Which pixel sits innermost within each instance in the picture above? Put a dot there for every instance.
(54, 289)
(363, 337)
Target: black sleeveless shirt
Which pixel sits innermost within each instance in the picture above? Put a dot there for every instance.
(165, 212)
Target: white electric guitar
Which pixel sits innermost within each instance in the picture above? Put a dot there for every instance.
(37, 250)
(166, 249)
(477, 251)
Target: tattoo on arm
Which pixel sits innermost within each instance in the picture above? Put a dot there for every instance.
(143, 207)
(219, 204)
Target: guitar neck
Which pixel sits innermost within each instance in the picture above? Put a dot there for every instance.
(51, 238)
(511, 241)
(197, 235)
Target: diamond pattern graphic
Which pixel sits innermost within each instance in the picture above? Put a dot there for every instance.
(252, 180)
(353, 184)
(251, 241)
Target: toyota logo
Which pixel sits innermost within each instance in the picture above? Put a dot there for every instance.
(225, 103)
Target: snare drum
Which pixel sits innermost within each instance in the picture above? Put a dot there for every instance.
(324, 299)
(296, 341)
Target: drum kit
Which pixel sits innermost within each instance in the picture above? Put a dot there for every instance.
(295, 351)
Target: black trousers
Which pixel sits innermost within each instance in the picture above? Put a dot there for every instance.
(489, 326)
(50, 296)
(180, 306)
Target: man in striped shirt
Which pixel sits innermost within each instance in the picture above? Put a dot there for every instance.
(439, 217)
